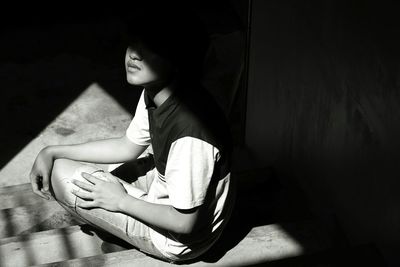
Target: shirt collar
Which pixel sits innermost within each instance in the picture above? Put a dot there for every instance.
(161, 113)
(148, 101)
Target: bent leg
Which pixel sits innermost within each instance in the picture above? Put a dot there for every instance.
(60, 184)
(118, 224)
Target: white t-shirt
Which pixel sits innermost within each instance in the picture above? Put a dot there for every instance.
(189, 178)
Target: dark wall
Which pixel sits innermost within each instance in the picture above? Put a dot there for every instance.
(323, 109)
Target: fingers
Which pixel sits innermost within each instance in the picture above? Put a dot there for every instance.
(85, 186)
(35, 186)
(85, 196)
(86, 204)
(45, 182)
(112, 178)
(45, 186)
(82, 194)
(90, 178)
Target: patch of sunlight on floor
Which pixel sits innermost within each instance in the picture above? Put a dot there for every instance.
(92, 115)
(279, 243)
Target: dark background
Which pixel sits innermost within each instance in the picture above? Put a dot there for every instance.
(323, 109)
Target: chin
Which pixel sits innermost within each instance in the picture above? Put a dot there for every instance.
(133, 80)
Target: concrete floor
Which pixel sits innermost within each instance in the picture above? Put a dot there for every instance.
(93, 115)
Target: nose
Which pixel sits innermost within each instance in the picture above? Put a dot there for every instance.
(133, 54)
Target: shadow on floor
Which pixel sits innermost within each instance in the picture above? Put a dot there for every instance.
(261, 200)
(364, 255)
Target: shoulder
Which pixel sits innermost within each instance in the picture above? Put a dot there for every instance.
(200, 117)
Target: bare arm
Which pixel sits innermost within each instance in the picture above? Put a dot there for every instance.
(113, 150)
(111, 195)
(163, 216)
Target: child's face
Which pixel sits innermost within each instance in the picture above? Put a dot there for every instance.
(145, 68)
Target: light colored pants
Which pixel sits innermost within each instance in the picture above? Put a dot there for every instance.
(118, 224)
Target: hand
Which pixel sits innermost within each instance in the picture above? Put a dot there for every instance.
(40, 174)
(99, 193)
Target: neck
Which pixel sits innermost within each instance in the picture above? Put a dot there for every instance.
(161, 94)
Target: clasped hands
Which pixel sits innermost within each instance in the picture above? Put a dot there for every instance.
(97, 193)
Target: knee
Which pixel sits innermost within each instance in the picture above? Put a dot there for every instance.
(61, 180)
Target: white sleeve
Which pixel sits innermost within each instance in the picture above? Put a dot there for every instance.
(138, 129)
(188, 173)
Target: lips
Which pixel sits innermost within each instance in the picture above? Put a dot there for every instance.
(132, 65)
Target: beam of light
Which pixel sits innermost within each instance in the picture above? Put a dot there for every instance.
(94, 114)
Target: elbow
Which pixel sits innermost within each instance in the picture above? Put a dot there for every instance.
(185, 224)
(185, 228)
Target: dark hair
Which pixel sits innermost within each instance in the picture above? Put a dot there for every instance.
(176, 34)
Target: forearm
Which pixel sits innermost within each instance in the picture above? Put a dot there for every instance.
(113, 150)
(161, 216)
